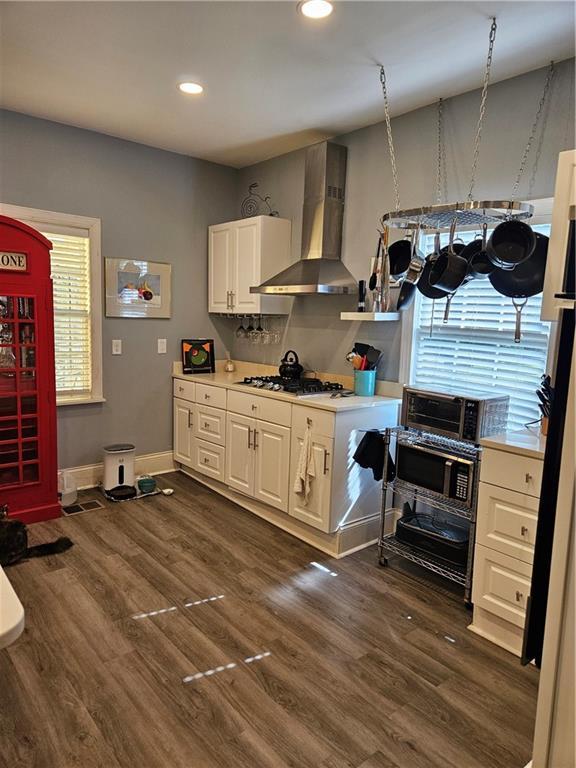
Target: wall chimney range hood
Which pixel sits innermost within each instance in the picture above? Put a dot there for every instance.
(319, 269)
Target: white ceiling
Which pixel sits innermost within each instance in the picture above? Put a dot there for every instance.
(274, 81)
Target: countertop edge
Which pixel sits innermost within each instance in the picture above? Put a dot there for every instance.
(524, 442)
(340, 405)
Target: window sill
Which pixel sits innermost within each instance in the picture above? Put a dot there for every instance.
(80, 400)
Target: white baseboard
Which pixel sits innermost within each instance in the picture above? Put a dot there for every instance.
(90, 475)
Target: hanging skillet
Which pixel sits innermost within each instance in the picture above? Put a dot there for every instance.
(526, 280)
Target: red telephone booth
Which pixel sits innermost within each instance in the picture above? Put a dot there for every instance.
(28, 460)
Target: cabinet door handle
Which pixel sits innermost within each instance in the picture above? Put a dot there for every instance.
(249, 433)
(325, 467)
(232, 294)
(227, 299)
(207, 426)
(255, 443)
(528, 477)
(206, 460)
(523, 530)
(189, 419)
(206, 397)
(519, 596)
(180, 389)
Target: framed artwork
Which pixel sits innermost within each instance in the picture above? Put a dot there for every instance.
(137, 288)
(198, 355)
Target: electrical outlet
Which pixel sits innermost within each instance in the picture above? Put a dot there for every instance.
(116, 346)
(161, 346)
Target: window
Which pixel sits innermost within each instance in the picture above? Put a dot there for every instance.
(75, 267)
(475, 349)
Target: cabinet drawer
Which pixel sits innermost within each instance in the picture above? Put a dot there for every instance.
(209, 395)
(321, 422)
(509, 470)
(210, 424)
(209, 459)
(258, 407)
(185, 390)
(501, 584)
(506, 521)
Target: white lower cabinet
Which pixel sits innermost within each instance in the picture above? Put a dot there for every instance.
(272, 466)
(183, 431)
(240, 453)
(209, 459)
(506, 521)
(252, 444)
(316, 511)
(258, 461)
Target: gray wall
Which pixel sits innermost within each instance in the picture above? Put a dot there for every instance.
(314, 329)
(153, 204)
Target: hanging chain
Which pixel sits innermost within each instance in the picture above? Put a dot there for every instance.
(441, 154)
(390, 141)
(545, 92)
(482, 109)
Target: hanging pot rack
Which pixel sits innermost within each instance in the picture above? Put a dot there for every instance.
(468, 213)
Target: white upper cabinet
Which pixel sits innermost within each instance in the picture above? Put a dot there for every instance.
(242, 254)
(220, 267)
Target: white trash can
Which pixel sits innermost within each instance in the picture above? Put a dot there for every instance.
(118, 465)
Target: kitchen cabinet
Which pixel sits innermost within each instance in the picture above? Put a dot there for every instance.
(506, 522)
(258, 459)
(183, 431)
(245, 445)
(242, 254)
(272, 467)
(240, 464)
(316, 511)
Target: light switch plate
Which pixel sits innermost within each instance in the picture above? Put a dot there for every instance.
(116, 346)
(161, 346)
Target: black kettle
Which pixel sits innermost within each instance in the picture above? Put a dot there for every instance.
(290, 367)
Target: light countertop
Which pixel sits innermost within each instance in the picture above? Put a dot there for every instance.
(324, 402)
(11, 612)
(525, 442)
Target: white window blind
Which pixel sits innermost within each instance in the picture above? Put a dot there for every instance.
(70, 262)
(475, 350)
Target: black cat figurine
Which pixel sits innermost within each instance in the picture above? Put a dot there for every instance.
(14, 542)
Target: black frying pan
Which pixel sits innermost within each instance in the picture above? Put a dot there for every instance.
(525, 280)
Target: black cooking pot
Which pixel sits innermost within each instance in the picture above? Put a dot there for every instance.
(511, 243)
(290, 367)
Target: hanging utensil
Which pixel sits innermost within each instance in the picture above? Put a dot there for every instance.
(510, 244)
(373, 276)
(416, 260)
(449, 270)
(479, 263)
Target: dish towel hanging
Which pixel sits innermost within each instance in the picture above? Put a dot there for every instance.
(305, 471)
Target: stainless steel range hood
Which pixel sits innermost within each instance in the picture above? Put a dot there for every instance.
(320, 269)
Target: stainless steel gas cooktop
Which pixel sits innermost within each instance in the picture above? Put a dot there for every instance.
(302, 387)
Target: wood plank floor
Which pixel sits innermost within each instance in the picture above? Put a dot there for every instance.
(367, 669)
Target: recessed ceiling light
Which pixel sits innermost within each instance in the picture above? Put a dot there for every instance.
(316, 9)
(193, 88)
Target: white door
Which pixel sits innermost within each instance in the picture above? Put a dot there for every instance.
(240, 453)
(246, 267)
(182, 438)
(272, 464)
(317, 511)
(220, 268)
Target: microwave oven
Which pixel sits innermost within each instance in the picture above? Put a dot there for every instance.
(437, 468)
(457, 416)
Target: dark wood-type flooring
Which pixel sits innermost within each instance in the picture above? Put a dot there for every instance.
(368, 669)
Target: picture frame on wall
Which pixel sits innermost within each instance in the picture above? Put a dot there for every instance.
(198, 356)
(138, 288)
